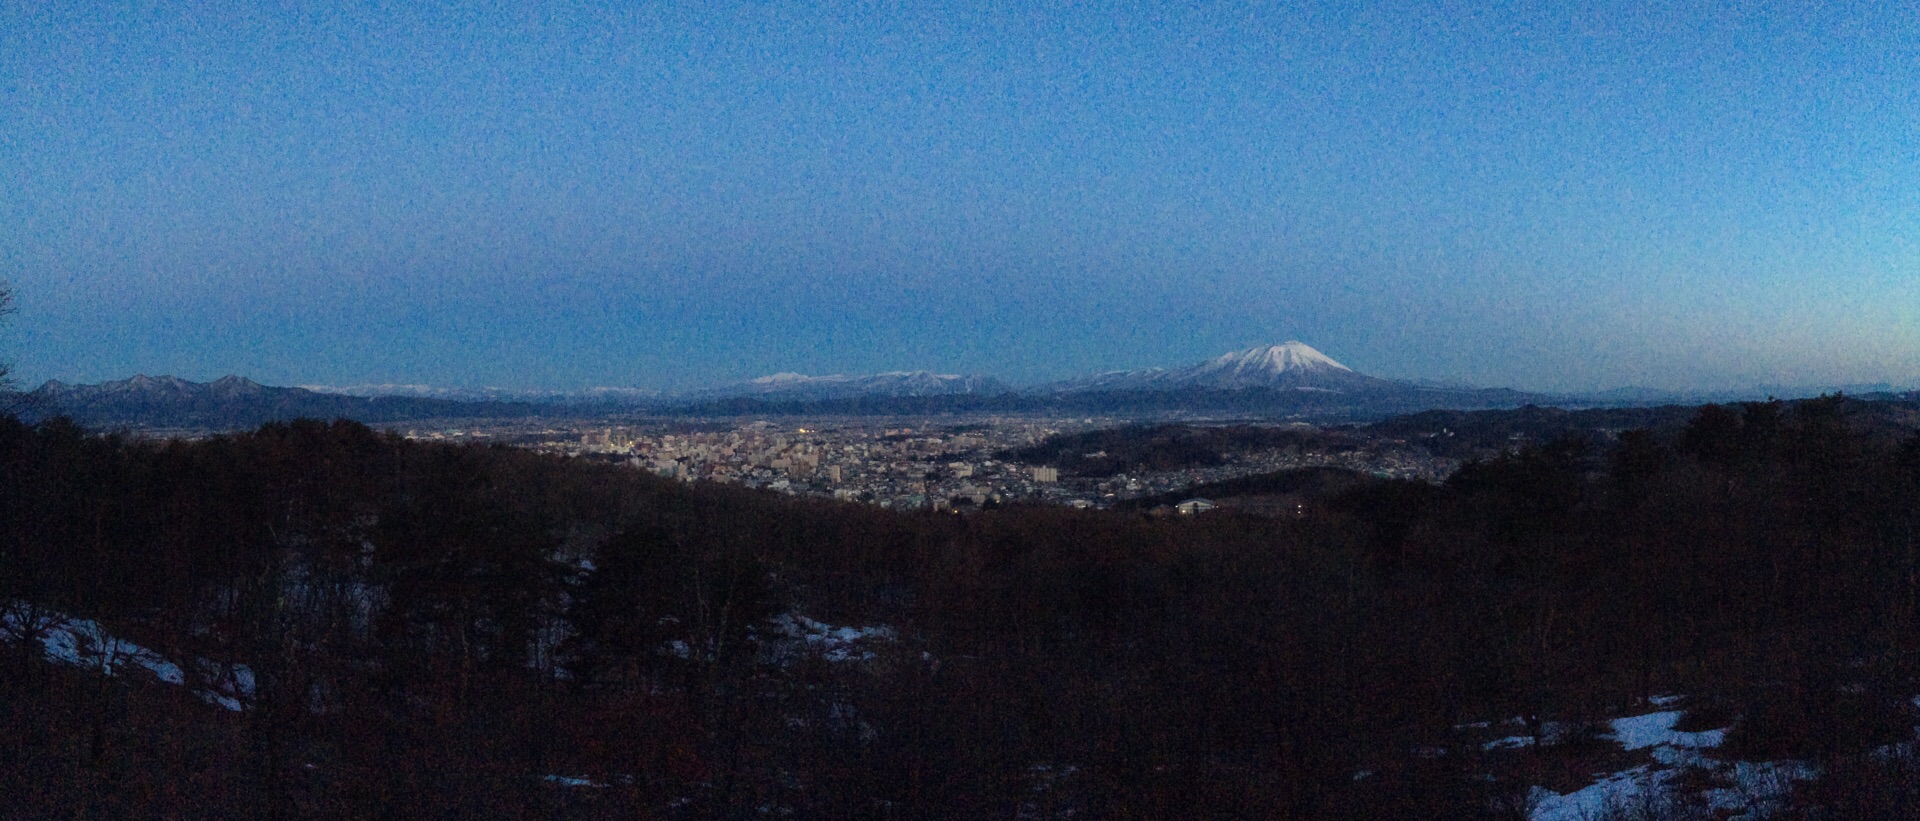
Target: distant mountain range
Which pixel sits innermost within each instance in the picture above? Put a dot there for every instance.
(612, 396)
(1291, 365)
(779, 386)
(235, 402)
(795, 386)
(1291, 379)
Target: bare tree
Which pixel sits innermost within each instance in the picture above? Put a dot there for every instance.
(6, 307)
(12, 400)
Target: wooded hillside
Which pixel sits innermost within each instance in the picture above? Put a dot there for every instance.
(435, 630)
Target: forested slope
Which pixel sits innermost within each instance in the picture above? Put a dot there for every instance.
(438, 630)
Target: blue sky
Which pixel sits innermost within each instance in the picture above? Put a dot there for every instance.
(1672, 195)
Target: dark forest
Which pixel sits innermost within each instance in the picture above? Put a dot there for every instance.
(441, 630)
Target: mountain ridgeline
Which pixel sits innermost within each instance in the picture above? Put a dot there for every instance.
(800, 387)
(1291, 379)
(234, 402)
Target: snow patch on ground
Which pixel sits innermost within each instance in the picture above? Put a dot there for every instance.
(1759, 789)
(1754, 789)
(1656, 729)
(1624, 789)
(830, 642)
(1551, 733)
(83, 643)
(573, 781)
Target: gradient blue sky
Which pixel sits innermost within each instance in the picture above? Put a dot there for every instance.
(1535, 195)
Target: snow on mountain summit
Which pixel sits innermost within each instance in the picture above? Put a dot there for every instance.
(1288, 357)
(1291, 364)
(788, 385)
(783, 378)
(1288, 365)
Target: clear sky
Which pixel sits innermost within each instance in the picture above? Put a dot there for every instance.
(1547, 196)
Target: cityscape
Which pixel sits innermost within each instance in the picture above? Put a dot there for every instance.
(908, 464)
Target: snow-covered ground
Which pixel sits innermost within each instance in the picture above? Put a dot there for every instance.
(1656, 730)
(572, 781)
(83, 643)
(1753, 790)
(1681, 761)
(830, 642)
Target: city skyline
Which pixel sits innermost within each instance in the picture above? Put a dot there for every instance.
(1524, 196)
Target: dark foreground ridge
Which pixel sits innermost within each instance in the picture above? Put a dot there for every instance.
(316, 620)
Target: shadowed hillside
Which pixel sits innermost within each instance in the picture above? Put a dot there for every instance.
(318, 620)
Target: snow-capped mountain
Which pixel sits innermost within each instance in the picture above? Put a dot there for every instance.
(1292, 365)
(837, 386)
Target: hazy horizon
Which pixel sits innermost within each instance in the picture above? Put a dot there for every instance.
(1784, 390)
(1526, 196)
